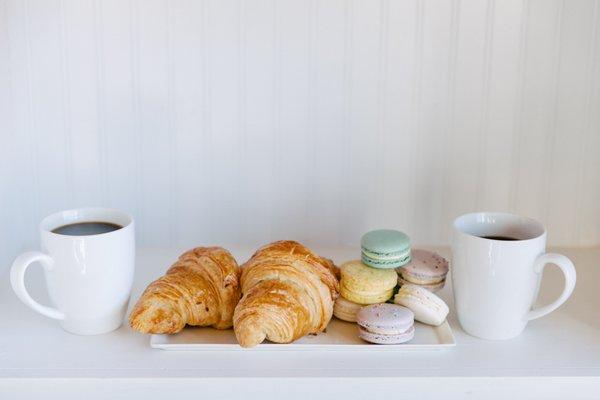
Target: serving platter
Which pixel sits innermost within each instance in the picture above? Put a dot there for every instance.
(339, 336)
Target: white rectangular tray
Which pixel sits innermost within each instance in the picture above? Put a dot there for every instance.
(340, 335)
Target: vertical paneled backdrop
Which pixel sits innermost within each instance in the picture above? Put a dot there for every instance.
(244, 121)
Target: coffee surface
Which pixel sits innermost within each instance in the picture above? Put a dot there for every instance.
(86, 228)
(500, 237)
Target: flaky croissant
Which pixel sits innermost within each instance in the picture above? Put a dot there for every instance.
(288, 292)
(200, 289)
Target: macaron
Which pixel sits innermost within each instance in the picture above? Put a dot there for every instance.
(365, 285)
(365, 298)
(385, 248)
(385, 324)
(425, 268)
(345, 309)
(426, 306)
(433, 287)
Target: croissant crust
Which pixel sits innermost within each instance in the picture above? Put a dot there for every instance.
(288, 292)
(200, 289)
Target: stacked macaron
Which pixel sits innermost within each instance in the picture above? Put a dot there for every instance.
(385, 324)
(385, 248)
(426, 269)
(362, 285)
(366, 284)
(372, 279)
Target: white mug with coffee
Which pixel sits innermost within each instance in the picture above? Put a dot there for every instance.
(88, 255)
(497, 264)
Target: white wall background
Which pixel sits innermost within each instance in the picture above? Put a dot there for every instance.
(223, 121)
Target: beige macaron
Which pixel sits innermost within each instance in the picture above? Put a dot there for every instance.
(345, 309)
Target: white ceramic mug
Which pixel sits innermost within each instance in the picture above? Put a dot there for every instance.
(496, 282)
(89, 277)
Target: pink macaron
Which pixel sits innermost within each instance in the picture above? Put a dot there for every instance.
(385, 324)
(426, 268)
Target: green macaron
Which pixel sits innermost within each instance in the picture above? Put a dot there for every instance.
(385, 248)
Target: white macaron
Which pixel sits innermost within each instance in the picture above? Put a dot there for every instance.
(427, 307)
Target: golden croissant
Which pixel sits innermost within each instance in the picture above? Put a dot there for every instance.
(200, 289)
(288, 292)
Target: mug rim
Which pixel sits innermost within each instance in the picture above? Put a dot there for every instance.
(45, 223)
(541, 229)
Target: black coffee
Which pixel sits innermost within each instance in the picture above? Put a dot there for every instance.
(86, 228)
(499, 238)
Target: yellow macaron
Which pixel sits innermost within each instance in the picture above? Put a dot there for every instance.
(365, 285)
(358, 277)
(366, 299)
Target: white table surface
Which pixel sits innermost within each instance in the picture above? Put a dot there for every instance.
(557, 356)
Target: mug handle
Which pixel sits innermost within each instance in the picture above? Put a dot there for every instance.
(17, 281)
(568, 269)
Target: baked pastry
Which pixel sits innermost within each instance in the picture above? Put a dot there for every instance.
(200, 289)
(288, 292)
(365, 285)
